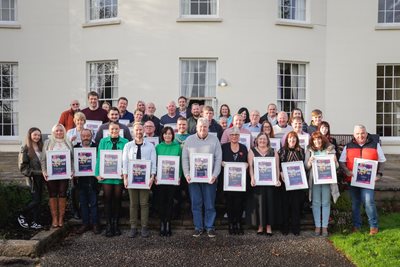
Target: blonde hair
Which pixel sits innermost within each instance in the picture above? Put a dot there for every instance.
(79, 116)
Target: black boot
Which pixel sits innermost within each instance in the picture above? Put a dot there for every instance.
(162, 228)
(239, 229)
(109, 229)
(115, 227)
(168, 228)
(231, 229)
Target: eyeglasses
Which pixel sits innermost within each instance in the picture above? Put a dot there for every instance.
(75, 104)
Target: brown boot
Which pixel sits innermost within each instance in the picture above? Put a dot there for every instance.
(53, 210)
(62, 202)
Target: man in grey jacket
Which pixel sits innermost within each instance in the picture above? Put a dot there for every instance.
(202, 193)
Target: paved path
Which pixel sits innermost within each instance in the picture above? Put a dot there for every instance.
(184, 250)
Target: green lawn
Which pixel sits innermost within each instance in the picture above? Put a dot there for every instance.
(382, 249)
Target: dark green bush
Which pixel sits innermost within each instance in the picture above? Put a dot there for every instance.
(13, 197)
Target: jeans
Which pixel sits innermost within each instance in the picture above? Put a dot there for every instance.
(203, 194)
(321, 197)
(365, 196)
(88, 199)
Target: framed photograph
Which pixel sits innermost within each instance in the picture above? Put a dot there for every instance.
(111, 164)
(265, 171)
(139, 174)
(324, 170)
(212, 133)
(58, 164)
(364, 173)
(294, 175)
(153, 140)
(173, 126)
(245, 139)
(304, 139)
(168, 170)
(93, 126)
(201, 165)
(235, 176)
(85, 161)
(275, 143)
(124, 122)
(106, 133)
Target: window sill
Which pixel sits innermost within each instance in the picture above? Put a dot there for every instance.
(105, 22)
(294, 24)
(199, 19)
(384, 26)
(9, 142)
(10, 25)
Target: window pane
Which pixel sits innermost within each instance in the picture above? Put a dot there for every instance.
(387, 107)
(387, 119)
(379, 119)
(380, 70)
(388, 83)
(387, 131)
(396, 95)
(379, 107)
(379, 83)
(379, 94)
(379, 130)
(397, 70)
(381, 5)
(388, 95)
(389, 70)
(389, 17)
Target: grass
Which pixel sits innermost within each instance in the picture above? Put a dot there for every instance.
(364, 250)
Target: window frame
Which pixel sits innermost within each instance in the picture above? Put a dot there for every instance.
(280, 100)
(14, 100)
(306, 23)
(197, 16)
(112, 101)
(385, 23)
(11, 23)
(100, 21)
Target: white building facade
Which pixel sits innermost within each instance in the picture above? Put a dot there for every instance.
(338, 56)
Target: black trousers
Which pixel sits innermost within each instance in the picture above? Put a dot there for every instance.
(235, 205)
(33, 207)
(165, 197)
(292, 204)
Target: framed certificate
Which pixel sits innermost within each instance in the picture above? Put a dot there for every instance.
(153, 140)
(265, 171)
(58, 163)
(168, 170)
(201, 165)
(139, 174)
(85, 161)
(212, 133)
(93, 125)
(106, 133)
(324, 170)
(111, 164)
(294, 175)
(364, 173)
(275, 143)
(124, 122)
(245, 139)
(235, 176)
(304, 139)
(173, 126)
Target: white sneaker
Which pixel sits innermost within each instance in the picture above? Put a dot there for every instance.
(22, 221)
(36, 226)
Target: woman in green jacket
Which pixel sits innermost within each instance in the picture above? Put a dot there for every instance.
(112, 187)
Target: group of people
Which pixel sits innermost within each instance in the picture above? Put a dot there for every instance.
(183, 132)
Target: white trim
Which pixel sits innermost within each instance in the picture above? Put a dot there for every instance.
(294, 23)
(199, 19)
(103, 22)
(10, 140)
(387, 26)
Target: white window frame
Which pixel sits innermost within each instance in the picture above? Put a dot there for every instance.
(387, 88)
(100, 21)
(385, 12)
(296, 83)
(114, 86)
(10, 23)
(209, 99)
(15, 93)
(199, 17)
(306, 23)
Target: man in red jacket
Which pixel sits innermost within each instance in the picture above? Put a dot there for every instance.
(362, 146)
(67, 117)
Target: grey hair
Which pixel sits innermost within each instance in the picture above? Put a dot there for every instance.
(202, 121)
(360, 126)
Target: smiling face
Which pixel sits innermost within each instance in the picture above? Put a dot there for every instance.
(317, 119)
(59, 132)
(272, 111)
(149, 128)
(202, 128)
(224, 111)
(93, 102)
(282, 119)
(238, 121)
(234, 138)
(35, 136)
(171, 108)
(267, 128)
(297, 125)
(360, 134)
(262, 141)
(324, 130)
(254, 117)
(182, 126)
(168, 136)
(317, 143)
(75, 105)
(113, 115)
(292, 141)
(208, 114)
(195, 110)
(182, 103)
(122, 105)
(150, 109)
(138, 116)
(114, 130)
(138, 132)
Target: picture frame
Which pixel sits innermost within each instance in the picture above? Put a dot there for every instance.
(213, 133)
(124, 122)
(173, 126)
(304, 140)
(110, 164)
(139, 174)
(364, 173)
(324, 169)
(265, 171)
(154, 140)
(201, 165)
(58, 163)
(235, 176)
(245, 139)
(93, 125)
(85, 161)
(294, 175)
(106, 133)
(168, 170)
(275, 143)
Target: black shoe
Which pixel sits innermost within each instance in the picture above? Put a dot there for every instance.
(82, 229)
(239, 229)
(22, 221)
(76, 215)
(133, 233)
(231, 229)
(96, 229)
(162, 228)
(168, 229)
(197, 233)
(109, 230)
(269, 234)
(211, 233)
(115, 226)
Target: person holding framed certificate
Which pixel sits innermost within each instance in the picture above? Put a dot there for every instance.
(262, 204)
(112, 187)
(57, 188)
(234, 152)
(139, 150)
(292, 201)
(166, 192)
(320, 194)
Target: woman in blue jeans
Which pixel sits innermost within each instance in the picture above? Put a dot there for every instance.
(320, 194)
